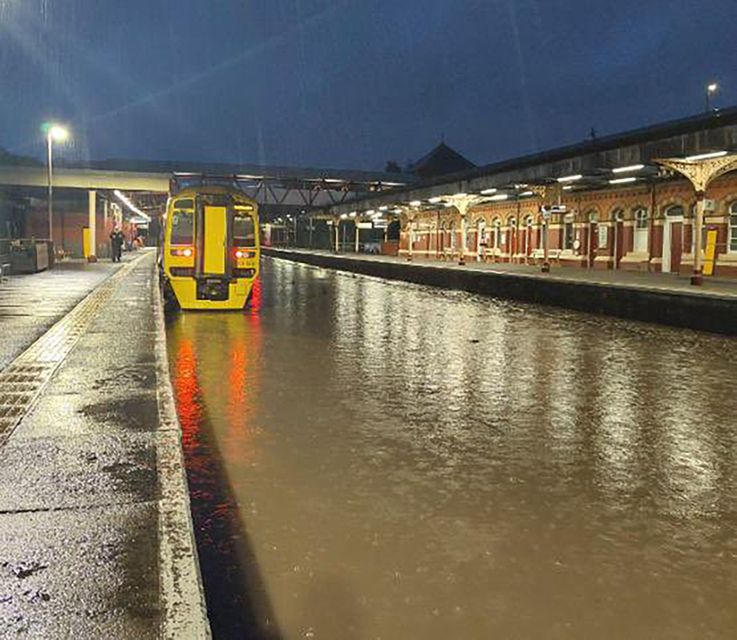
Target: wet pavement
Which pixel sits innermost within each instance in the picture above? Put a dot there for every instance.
(31, 303)
(81, 480)
(376, 459)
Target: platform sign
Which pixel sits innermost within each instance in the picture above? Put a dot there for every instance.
(710, 252)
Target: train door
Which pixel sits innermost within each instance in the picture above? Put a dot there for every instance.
(215, 240)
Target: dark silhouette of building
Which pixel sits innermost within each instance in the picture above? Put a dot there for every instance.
(442, 160)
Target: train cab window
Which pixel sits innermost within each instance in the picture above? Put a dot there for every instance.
(244, 232)
(182, 226)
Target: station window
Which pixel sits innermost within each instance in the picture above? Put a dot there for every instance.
(182, 227)
(568, 232)
(244, 234)
(641, 230)
(733, 227)
(497, 239)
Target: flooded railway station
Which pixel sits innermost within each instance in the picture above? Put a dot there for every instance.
(357, 320)
(376, 459)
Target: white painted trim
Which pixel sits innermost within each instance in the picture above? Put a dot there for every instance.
(181, 591)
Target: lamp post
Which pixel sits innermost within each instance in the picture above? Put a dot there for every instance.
(54, 133)
(711, 89)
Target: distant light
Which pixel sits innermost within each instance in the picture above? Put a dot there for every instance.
(448, 205)
(499, 197)
(343, 216)
(622, 180)
(572, 178)
(239, 254)
(435, 199)
(712, 87)
(187, 253)
(352, 214)
(58, 133)
(370, 212)
(488, 192)
(628, 168)
(384, 208)
(460, 195)
(568, 187)
(415, 203)
(397, 210)
(707, 156)
(526, 193)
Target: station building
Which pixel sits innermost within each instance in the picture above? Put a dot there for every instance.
(615, 205)
(643, 228)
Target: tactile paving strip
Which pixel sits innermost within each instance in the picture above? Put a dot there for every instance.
(22, 380)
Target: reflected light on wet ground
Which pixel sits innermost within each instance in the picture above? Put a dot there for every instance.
(378, 459)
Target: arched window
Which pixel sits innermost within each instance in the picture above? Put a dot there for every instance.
(593, 216)
(481, 239)
(497, 231)
(641, 230)
(528, 234)
(732, 237)
(452, 230)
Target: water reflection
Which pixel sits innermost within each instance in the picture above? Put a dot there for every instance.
(411, 462)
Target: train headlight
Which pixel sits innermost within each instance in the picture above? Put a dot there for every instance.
(182, 252)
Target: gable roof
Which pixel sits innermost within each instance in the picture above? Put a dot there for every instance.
(441, 161)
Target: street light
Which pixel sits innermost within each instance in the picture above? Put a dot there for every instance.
(711, 89)
(54, 133)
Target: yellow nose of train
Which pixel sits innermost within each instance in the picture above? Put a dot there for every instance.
(211, 247)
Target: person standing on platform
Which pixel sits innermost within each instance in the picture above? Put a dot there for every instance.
(116, 242)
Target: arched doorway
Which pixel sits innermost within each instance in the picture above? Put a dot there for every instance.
(672, 239)
(481, 239)
(529, 240)
(512, 238)
(617, 237)
(593, 238)
(496, 238)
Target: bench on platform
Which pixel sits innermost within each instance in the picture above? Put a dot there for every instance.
(538, 255)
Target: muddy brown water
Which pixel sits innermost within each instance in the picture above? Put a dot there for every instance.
(373, 459)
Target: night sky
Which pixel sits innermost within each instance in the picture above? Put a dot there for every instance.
(353, 83)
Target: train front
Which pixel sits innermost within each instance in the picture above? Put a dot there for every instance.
(211, 248)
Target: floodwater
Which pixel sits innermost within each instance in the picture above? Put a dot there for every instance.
(374, 459)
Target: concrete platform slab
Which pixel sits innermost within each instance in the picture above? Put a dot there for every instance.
(83, 573)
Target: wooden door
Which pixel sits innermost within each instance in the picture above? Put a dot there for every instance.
(593, 241)
(676, 246)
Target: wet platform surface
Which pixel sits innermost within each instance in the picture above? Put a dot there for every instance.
(80, 478)
(373, 458)
(31, 303)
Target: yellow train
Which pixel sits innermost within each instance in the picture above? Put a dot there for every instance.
(211, 247)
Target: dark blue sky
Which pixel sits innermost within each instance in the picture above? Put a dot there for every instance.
(352, 83)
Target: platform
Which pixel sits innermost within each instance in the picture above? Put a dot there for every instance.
(662, 298)
(95, 533)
